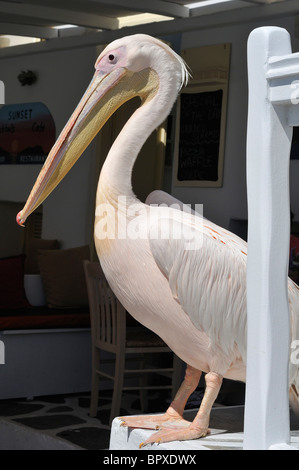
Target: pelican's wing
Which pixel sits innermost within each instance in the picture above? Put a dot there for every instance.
(206, 270)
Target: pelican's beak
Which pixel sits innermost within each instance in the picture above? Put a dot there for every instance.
(105, 94)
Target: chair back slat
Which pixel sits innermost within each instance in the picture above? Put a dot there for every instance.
(107, 312)
(102, 321)
(105, 309)
(113, 317)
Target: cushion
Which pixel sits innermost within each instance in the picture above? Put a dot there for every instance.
(35, 244)
(12, 292)
(44, 317)
(63, 277)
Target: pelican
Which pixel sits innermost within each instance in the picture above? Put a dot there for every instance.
(179, 275)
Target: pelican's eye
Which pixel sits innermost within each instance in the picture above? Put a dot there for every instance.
(115, 57)
(112, 58)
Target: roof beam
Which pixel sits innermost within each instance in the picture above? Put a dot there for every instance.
(255, 13)
(153, 6)
(214, 6)
(31, 14)
(14, 29)
(268, 2)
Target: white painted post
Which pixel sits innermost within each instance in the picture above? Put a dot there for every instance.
(272, 70)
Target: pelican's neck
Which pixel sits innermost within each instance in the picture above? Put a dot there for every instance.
(116, 174)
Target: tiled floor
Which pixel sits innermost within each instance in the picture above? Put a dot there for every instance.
(65, 420)
(67, 417)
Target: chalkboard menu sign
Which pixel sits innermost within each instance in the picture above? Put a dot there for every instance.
(199, 136)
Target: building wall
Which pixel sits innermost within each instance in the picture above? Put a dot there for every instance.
(230, 201)
(63, 76)
(62, 79)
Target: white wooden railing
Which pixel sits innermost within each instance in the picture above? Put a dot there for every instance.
(273, 73)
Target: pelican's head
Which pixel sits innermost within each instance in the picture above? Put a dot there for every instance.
(128, 67)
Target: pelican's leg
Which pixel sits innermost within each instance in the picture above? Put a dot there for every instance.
(171, 431)
(174, 413)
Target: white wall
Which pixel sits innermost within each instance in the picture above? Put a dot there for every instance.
(230, 201)
(62, 78)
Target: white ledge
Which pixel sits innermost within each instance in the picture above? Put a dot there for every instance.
(227, 438)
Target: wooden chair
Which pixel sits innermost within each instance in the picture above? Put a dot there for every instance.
(110, 332)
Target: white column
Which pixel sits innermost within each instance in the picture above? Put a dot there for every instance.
(271, 71)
